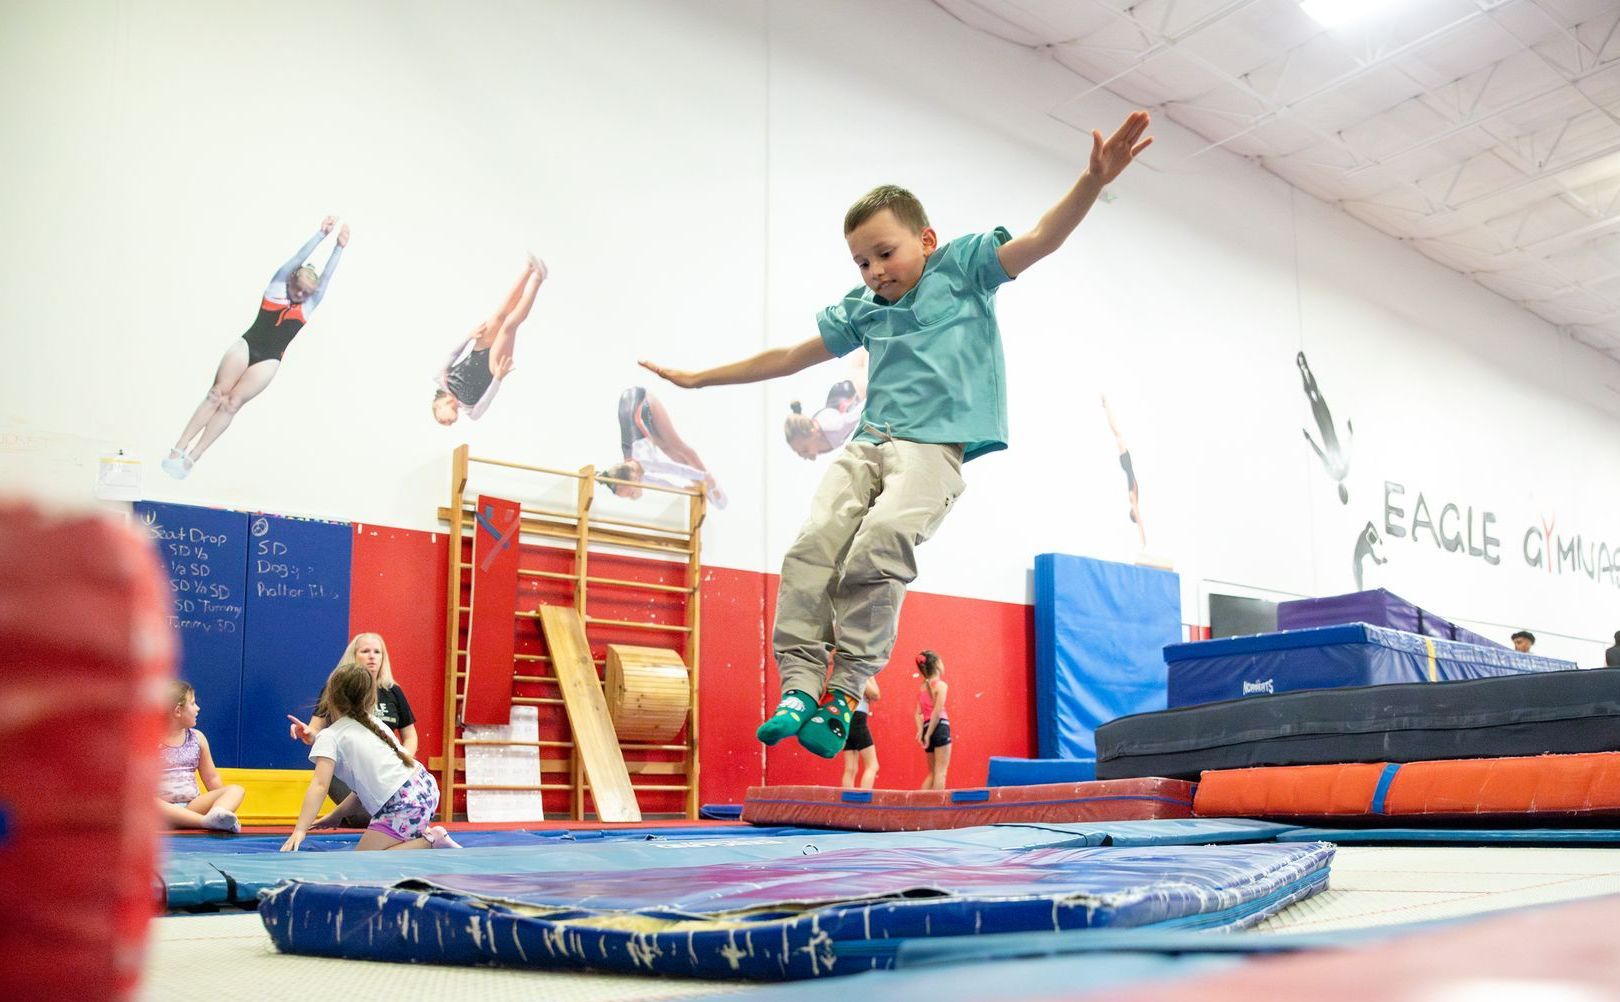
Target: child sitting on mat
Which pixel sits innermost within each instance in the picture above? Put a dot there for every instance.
(936, 398)
(390, 785)
(185, 753)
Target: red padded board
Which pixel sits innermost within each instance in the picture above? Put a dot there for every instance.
(1532, 786)
(86, 652)
(929, 810)
(491, 636)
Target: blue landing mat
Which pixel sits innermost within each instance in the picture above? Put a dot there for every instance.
(210, 872)
(1025, 966)
(1006, 771)
(836, 913)
(344, 840)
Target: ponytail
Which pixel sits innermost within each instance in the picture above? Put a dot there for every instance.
(928, 664)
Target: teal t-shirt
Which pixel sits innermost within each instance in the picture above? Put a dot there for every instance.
(936, 372)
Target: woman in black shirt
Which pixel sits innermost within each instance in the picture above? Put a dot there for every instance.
(393, 710)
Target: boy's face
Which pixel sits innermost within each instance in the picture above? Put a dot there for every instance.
(889, 255)
(1521, 644)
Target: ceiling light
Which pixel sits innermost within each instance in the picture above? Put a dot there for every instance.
(1333, 13)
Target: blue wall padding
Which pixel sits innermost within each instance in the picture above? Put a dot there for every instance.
(1100, 633)
(205, 552)
(794, 917)
(1330, 657)
(297, 629)
(1006, 771)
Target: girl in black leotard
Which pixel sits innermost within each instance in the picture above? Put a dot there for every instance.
(252, 359)
(472, 375)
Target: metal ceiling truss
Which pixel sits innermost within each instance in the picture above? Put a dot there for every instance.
(1484, 132)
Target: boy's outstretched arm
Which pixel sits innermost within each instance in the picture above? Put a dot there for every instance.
(1108, 159)
(768, 364)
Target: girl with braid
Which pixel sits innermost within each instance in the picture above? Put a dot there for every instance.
(387, 783)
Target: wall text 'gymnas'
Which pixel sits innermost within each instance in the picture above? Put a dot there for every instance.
(1471, 531)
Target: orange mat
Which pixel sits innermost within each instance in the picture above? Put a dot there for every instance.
(1539, 786)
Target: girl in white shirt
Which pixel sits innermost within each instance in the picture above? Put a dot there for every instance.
(391, 786)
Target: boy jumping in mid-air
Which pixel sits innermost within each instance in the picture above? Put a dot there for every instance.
(936, 398)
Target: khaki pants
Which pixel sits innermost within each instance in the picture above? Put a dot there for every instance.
(845, 576)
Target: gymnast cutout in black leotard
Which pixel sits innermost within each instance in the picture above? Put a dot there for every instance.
(273, 330)
(470, 377)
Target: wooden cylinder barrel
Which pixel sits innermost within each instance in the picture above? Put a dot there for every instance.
(648, 692)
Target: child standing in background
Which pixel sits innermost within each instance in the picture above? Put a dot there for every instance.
(933, 727)
(185, 753)
(860, 751)
(390, 785)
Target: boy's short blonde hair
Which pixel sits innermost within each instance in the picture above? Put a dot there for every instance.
(905, 206)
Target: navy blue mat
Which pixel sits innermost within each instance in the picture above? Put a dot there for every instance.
(1329, 657)
(837, 913)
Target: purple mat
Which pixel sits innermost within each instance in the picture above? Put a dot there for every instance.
(1377, 607)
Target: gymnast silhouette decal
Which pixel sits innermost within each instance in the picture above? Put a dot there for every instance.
(471, 376)
(1125, 464)
(1335, 458)
(1367, 543)
(654, 453)
(812, 435)
(254, 358)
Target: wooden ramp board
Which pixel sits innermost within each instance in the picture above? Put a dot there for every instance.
(595, 741)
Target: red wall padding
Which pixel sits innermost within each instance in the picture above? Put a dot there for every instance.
(86, 651)
(399, 586)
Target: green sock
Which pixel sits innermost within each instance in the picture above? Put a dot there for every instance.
(827, 729)
(788, 718)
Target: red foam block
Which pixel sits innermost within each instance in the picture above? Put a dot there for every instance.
(928, 810)
(86, 651)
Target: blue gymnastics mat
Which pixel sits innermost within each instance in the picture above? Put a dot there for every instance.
(1331, 657)
(199, 878)
(835, 913)
(1005, 771)
(1100, 630)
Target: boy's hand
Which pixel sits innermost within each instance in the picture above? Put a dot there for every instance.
(293, 842)
(1109, 159)
(680, 377)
